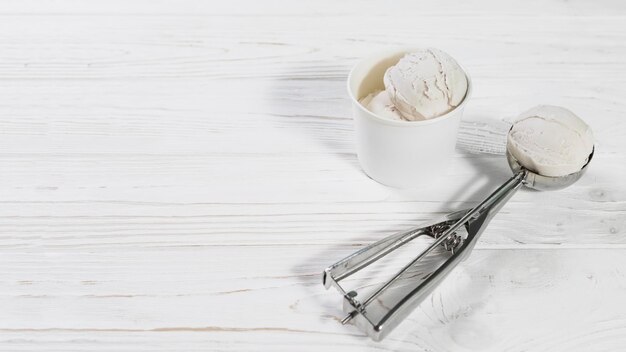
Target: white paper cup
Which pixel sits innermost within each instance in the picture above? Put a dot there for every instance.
(400, 154)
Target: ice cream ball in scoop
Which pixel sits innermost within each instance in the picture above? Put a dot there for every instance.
(550, 141)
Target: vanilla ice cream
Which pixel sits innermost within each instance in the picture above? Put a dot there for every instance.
(551, 141)
(425, 84)
(379, 104)
(422, 85)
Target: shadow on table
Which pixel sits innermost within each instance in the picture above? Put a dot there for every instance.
(314, 107)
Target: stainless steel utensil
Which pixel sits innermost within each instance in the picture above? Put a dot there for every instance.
(456, 232)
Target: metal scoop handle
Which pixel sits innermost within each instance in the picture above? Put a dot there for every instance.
(472, 222)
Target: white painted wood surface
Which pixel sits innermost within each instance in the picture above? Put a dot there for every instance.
(176, 174)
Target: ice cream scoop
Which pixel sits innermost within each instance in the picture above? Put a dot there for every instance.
(550, 140)
(425, 84)
(380, 311)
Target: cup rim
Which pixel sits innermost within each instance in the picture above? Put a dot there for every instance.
(404, 123)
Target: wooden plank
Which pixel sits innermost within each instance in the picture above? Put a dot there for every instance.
(216, 299)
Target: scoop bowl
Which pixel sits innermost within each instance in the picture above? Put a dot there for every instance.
(546, 183)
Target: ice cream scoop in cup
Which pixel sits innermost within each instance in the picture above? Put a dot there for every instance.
(548, 148)
(407, 108)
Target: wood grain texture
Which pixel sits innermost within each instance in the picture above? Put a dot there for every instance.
(175, 175)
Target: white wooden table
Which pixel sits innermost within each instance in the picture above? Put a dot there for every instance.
(176, 175)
